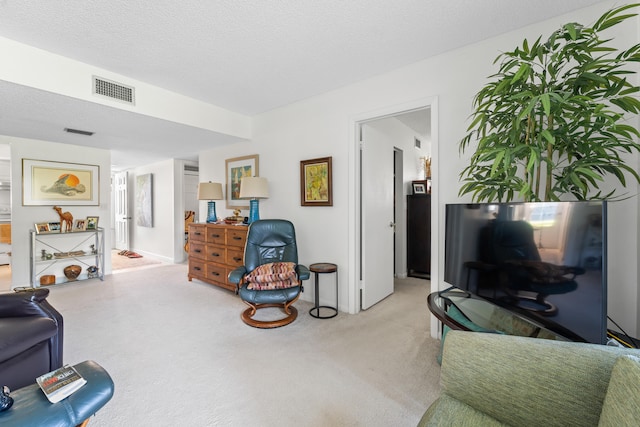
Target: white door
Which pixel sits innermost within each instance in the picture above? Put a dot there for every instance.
(377, 210)
(121, 209)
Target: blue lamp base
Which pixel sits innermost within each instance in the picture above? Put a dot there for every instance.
(254, 210)
(211, 213)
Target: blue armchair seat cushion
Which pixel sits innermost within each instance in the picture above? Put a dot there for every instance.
(18, 334)
(275, 296)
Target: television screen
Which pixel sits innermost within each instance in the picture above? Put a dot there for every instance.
(546, 261)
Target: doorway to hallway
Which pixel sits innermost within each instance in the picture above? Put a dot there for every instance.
(391, 154)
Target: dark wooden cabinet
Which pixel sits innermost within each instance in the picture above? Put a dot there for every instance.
(419, 235)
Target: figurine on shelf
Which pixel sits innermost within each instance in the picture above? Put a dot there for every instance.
(66, 219)
(93, 249)
(92, 272)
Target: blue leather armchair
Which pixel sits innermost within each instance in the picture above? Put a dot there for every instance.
(269, 242)
(31, 336)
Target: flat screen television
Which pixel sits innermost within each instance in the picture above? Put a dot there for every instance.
(545, 261)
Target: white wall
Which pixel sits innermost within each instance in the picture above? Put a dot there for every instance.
(323, 126)
(23, 218)
(159, 240)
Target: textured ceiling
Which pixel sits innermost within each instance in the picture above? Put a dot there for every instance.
(251, 56)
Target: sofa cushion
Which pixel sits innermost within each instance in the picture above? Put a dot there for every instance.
(447, 411)
(18, 334)
(622, 402)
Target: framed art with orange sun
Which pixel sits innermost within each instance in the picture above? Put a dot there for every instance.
(55, 183)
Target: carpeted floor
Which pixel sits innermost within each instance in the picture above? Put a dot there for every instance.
(180, 355)
(121, 262)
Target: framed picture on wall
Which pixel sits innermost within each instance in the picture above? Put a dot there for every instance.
(316, 187)
(238, 168)
(55, 183)
(144, 200)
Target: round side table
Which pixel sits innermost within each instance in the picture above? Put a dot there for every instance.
(317, 269)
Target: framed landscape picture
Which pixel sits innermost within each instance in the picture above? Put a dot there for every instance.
(316, 188)
(55, 183)
(238, 168)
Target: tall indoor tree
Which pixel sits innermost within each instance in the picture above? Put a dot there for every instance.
(554, 119)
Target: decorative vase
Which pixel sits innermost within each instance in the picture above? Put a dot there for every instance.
(72, 272)
(211, 212)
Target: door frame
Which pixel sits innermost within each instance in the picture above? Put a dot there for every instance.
(354, 216)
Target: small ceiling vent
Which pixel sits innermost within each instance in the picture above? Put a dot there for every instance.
(113, 90)
(191, 168)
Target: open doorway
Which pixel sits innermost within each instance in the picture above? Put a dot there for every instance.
(392, 152)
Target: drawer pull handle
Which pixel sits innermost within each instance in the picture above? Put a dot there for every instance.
(237, 259)
(237, 238)
(197, 251)
(197, 268)
(197, 234)
(215, 274)
(215, 254)
(215, 235)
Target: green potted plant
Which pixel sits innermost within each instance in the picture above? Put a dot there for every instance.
(552, 120)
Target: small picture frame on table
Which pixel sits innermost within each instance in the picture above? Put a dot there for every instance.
(42, 227)
(54, 227)
(92, 223)
(419, 187)
(80, 225)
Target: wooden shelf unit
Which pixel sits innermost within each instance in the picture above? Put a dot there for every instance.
(214, 251)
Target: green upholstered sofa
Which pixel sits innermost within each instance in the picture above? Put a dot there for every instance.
(497, 380)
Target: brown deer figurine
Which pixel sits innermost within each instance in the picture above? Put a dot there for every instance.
(66, 219)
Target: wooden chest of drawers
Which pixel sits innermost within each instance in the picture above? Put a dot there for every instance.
(214, 251)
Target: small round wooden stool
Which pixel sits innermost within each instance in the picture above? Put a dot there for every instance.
(317, 269)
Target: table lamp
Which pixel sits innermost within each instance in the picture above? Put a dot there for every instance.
(210, 191)
(254, 188)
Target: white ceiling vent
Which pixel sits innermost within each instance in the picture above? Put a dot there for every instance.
(113, 90)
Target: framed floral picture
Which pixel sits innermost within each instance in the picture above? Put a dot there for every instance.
(316, 188)
(238, 168)
(54, 183)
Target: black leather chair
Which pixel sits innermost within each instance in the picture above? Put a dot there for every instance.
(271, 275)
(31, 337)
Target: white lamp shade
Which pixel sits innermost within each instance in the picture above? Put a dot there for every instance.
(209, 191)
(253, 187)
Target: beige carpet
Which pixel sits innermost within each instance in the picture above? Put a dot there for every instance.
(121, 262)
(180, 355)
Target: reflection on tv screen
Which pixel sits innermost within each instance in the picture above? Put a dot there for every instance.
(546, 261)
